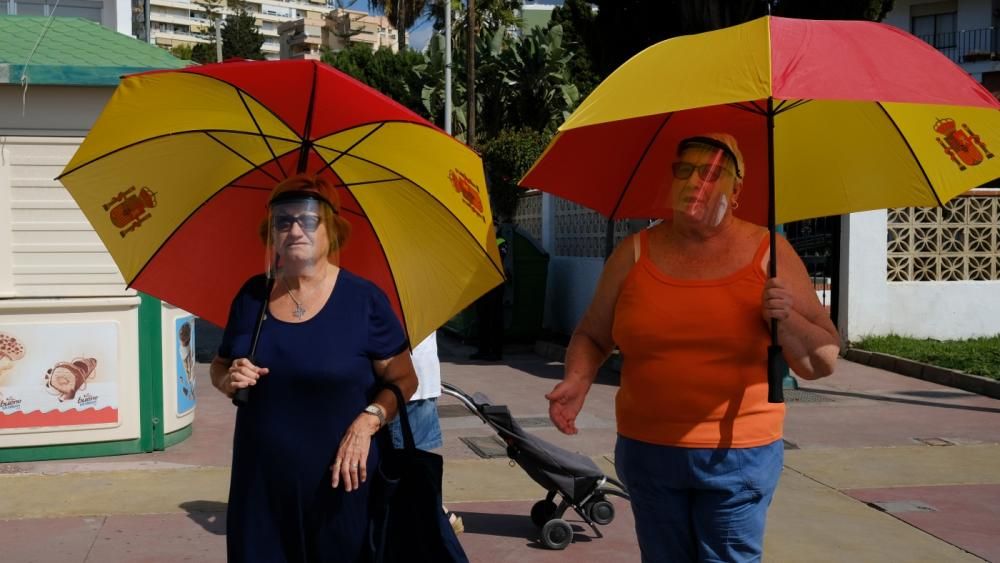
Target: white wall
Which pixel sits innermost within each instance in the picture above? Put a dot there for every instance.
(117, 15)
(65, 111)
(941, 310)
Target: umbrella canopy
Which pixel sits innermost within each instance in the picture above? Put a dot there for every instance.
(865, 116)
(176, 173)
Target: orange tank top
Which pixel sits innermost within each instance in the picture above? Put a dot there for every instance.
(694, 358)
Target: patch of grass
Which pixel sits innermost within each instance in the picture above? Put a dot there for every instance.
(979, 356)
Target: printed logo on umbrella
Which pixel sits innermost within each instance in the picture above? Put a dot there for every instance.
(469, 191)
(960, 144)
(130, 209)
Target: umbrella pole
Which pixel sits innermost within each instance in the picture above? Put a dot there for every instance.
(776, 366)
(242, 396)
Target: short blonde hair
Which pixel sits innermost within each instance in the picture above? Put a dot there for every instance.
(338, 230)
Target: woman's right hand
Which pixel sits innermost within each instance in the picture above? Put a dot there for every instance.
(242, 373)
(565, 402)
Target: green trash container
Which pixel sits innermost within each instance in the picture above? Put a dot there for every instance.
(524, 301)
(527, 264)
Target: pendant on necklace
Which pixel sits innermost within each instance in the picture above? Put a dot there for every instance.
(299, 311)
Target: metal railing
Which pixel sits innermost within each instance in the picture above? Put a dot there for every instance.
(966, 46)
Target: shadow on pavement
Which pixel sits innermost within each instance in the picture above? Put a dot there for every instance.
(905, 401)
(209, 514)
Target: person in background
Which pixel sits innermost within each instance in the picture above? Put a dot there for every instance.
(690, 305)
(422, 408)
(490, 317)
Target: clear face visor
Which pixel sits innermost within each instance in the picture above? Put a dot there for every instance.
(703, 182)
(291, 221)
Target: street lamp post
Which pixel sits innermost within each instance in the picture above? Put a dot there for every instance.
(470, 80)
(447, 66)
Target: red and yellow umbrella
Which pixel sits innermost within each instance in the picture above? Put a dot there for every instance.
(176, 172)
(864, 116)
(832, 117)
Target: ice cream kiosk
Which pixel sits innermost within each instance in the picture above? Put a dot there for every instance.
(88, 367)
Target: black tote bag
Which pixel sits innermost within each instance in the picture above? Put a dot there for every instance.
(407, 520)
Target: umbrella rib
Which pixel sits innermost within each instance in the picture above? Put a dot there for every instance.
(442, 205)
(247, 160)
(349, 149)
(756, 110)
(259, 130)
(186, 219)
(304, 152)
(638, 164)
(163, 136)
(797, 103)
(388, 266)
(913, 154)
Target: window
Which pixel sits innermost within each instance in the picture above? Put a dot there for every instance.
(936, 23)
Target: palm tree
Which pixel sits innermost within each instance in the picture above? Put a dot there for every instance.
(402, 13)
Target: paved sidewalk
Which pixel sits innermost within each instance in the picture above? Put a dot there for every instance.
(878, 467)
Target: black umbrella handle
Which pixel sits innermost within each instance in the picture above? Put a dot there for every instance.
(776, 369)
(242, 396)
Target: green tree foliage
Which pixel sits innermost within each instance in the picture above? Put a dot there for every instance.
(182, 51)
(508, 157)
(394, 74)
(580, 35)
(240, 36)
(203, 53)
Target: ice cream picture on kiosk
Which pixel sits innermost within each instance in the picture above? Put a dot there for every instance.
(10, 352)
(58, 375)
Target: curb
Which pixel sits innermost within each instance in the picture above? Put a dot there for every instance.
(942, 376)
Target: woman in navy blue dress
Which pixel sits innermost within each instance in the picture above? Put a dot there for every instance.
(303, 446)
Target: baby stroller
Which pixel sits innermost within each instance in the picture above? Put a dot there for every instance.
(575, 478)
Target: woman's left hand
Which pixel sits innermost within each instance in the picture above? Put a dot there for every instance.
(351, 463)
(777, 301)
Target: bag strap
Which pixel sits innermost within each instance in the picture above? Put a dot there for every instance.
(404, 418)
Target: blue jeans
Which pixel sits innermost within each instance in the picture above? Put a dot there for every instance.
(699, 504)
(424, 422)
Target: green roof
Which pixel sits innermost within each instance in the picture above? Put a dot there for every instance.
(74, 51)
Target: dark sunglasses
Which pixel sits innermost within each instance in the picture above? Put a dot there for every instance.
(708, 172)
(308, 223)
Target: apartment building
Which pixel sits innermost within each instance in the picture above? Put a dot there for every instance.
(176, 22)
(963, 30)
(306, 38)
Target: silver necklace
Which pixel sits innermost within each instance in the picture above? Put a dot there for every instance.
(300, 311)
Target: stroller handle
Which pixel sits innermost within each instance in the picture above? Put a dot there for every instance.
(464, 398)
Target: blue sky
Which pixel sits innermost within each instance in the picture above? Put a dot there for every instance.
(421, 33)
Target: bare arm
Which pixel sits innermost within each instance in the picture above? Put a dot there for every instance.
(591, 343)
(809, 339)
(351, 462)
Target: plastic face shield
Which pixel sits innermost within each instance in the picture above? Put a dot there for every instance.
(293, 218)
(703, 180)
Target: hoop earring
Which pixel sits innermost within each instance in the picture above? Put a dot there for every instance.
(736, 204)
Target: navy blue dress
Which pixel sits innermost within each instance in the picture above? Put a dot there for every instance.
(281, 504)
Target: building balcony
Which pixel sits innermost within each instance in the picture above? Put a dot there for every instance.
(966, 46)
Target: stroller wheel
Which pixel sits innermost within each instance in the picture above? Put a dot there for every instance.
(601, 511)
(542, 512)
(556, 534)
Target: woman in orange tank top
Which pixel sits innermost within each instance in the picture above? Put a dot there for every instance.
(689, 304)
